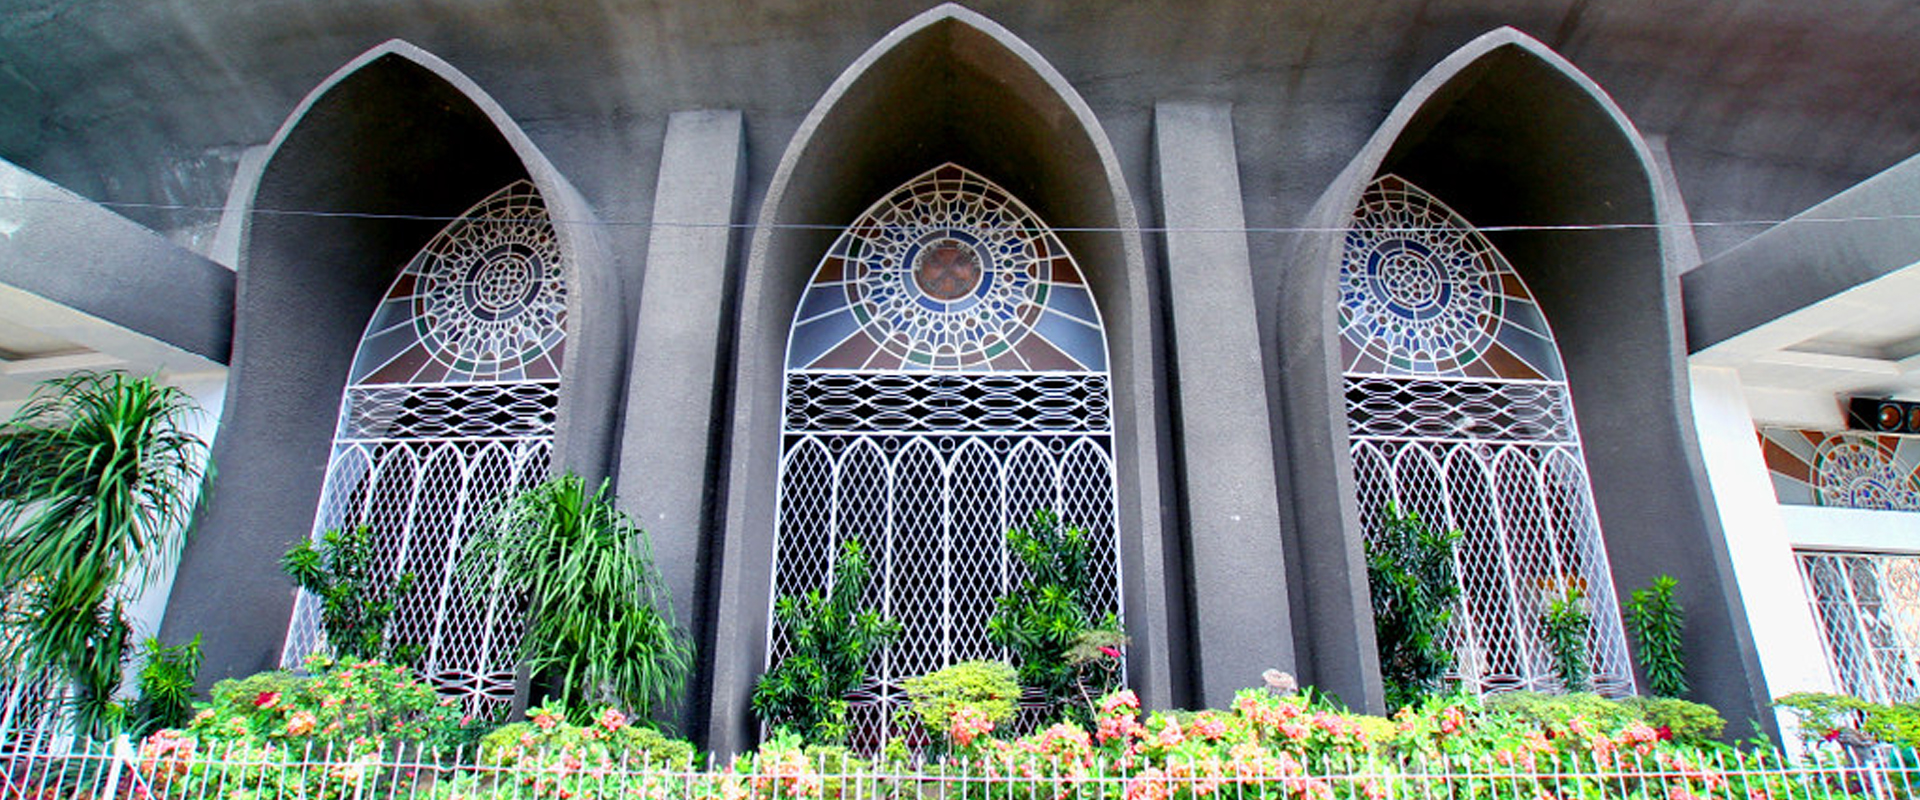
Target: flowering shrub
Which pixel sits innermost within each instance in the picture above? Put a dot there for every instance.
(349, 706)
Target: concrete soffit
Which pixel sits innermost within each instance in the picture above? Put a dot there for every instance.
(1820, 305)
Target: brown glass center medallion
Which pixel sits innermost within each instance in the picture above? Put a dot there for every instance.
(947, 270)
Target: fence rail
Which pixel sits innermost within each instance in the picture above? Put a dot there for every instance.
(181, 769)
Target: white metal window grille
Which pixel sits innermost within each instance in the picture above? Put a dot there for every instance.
(946, 377)
(450, 404)
(1868, 605)
(1458, 410)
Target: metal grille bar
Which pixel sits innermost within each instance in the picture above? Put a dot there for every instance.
(1868, 605)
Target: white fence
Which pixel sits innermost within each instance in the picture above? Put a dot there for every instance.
(179, 769)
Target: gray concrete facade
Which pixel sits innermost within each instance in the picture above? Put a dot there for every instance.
(1201, 163)
(669, 454)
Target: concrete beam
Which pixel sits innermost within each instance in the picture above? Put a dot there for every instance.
(59, 246)
(1241, 618)
(1858, 236)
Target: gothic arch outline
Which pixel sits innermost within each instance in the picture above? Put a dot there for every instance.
(938, 70)
(395, 131)
(1546, 146)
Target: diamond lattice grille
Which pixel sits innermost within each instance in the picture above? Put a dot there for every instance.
(1458, 409)
(451, 405)
(1868, 606)
(946, 378)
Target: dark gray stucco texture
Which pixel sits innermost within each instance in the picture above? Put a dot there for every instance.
(391, 138)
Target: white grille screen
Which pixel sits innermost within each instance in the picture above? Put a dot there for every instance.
(1869, 611)
(451, 405)
(946, 378)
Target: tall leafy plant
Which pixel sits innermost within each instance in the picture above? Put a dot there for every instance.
(98, 476)
(600, 627)
(1052, 612)
(165, 685)
(1413, 588)
(829, 638)
(1657, 620)
(355, 600)
(1565, 616)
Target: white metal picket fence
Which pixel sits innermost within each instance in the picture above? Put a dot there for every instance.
(182, 770)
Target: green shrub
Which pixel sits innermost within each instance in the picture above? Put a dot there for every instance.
(1044, 619)
(355, 599)
(1413, 590)
(1688, 722)
(1565, 620)
(1557, 711)
(165, 685)
(548, 738)
(1656, 620)
(1829, 715)
(988, 687)
(829, 641)
(355, 707)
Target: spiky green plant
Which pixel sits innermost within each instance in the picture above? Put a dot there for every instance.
(600, 626)
(97, 483)
(830, 638)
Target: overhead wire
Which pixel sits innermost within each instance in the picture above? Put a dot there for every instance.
(823, 226)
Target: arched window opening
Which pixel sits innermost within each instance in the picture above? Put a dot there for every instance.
(1459, 410)
(946, 376)
(450, 404)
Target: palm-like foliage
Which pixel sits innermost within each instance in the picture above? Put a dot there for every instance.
(600, 627)
(97, 481)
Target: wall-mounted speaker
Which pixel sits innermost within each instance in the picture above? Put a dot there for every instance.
(1883, 416)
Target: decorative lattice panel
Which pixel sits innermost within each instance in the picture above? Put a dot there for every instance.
(451, 405)
(1868, 606)
(946, 378)
(1458, 409)
(1843, 469)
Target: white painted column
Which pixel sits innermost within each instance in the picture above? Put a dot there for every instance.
(1791, 655)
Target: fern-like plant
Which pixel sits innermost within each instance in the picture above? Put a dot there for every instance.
(829, 638)
(600, 626)
(1413, 588)
(1657, 620)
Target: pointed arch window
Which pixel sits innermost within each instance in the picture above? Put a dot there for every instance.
(451, 402)
(1459, 410)
(946, 376)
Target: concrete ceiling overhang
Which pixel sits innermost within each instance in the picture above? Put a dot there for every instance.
(1768, 105)
(83, 288)
(1826, 304)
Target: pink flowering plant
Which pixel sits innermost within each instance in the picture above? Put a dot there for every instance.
(554, 754)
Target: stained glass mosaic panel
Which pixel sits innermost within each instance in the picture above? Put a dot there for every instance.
(948, 273)
(1424, 294)
(1458, 410)
(946, 378)
(484, 301)
(451, 404)
(1843, 469)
